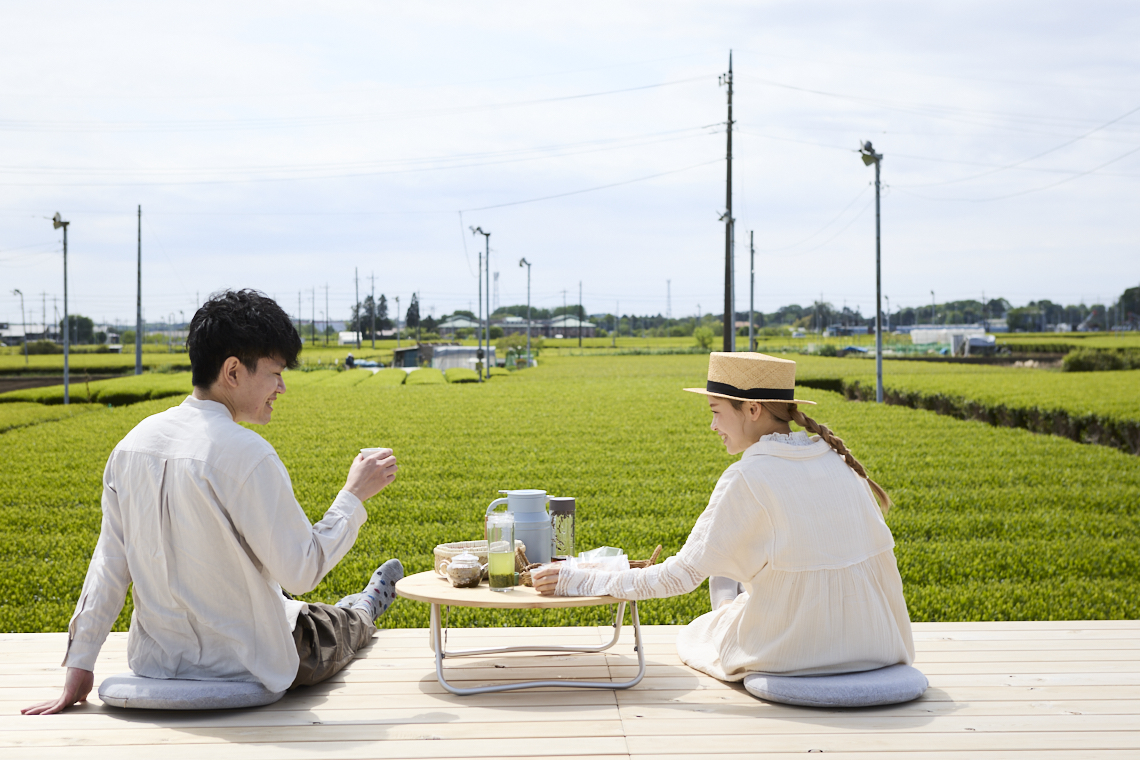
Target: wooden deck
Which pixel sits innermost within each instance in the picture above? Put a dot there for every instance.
(1010, 690)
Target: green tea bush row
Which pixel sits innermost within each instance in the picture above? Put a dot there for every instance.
(22, 413)
(1100, 360)
(461, 375)
(116, 391)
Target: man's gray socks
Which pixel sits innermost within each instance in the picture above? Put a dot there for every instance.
(380, 592)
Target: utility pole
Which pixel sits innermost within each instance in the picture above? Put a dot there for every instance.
(24, 322)
(356, 278)
(486, 368)
(300, 320)
(313, 318)
(580, 320)
(617, 322)
(933, 318)
(751, 291)
(373, 310)
(138, 305)
(729, 306)
(985, 318)
(871, 157)
(524, 262)
(495, 301)
(326, 315)
(57, 222)
(397, 325)
(668, 299)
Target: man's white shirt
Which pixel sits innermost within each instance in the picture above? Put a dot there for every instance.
(199, 514)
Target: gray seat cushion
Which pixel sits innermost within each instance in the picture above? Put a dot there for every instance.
(130, 690)
(885, 686)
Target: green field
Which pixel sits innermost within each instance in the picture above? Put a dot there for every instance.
(991, 523)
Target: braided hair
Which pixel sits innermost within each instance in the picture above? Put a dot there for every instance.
(791, 413)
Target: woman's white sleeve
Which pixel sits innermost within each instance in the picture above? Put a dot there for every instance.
(709, 550)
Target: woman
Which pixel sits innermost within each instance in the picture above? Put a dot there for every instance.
(804, 580)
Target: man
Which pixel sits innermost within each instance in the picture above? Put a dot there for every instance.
(199, 514)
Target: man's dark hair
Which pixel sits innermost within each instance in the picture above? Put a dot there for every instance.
(242, 323)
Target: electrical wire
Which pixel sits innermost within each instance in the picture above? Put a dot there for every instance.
(361, 174)
(215, 125)
(821, 229)
(599, 187)
(1032, 189)
(1054, 149)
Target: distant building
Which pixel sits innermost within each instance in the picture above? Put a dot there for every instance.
(945, 333)
(567, 326)
(456, 322)
(438, 355)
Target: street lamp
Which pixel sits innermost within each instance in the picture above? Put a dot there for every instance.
(524, 263)
(487, 269)
(57, 222)
(869, 157)
(888, 299)
(933, 316)
(23, 323)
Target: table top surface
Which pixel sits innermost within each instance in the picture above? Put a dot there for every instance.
(431, 588)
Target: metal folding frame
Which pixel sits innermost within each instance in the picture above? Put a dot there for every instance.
(437, 646)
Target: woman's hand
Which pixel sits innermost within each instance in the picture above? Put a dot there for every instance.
(545, 579)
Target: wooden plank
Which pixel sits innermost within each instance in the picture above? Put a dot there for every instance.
(464, 713)
(748, 707)
(700, 745)
(1061, 754)
(605, 748)
(301, 700)
(960, 694)
(715, 725)
(557, 732)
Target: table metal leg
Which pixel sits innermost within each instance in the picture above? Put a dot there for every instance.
(437, 647)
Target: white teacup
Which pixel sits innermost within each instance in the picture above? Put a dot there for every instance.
(373, 450)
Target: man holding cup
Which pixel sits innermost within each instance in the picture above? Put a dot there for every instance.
(199, 515)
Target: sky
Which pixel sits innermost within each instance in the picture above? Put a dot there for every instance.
(289, 146)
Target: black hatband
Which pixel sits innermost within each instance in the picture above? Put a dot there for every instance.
(757, 394)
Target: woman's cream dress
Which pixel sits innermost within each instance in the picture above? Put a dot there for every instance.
(802, 532)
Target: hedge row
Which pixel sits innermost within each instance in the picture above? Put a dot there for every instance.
(1082, 428)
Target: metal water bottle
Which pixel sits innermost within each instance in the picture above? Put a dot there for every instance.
(562, 526)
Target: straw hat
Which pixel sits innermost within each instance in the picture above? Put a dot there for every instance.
(747, 376)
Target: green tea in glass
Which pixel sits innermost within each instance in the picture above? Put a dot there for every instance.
(501, 543)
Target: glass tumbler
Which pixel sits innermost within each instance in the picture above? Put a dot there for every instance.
(501, 551)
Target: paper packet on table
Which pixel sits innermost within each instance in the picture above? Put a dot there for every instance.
(606, 558)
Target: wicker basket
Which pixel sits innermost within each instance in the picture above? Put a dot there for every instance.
(524, 568)
(478, 548)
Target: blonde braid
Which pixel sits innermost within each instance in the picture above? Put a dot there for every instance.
(787, 412)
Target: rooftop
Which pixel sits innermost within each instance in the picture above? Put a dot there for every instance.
(1017, 689)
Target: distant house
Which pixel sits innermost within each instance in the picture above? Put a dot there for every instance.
(567, 326)
(348, 338)
(456, 322)
(512, 325)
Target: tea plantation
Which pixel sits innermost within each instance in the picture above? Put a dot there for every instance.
(991, 523)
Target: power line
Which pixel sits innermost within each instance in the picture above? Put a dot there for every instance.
(599, 187)
(214, 125)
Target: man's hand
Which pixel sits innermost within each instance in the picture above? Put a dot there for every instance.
(370, 474)
(545, 579)
(76, 687)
